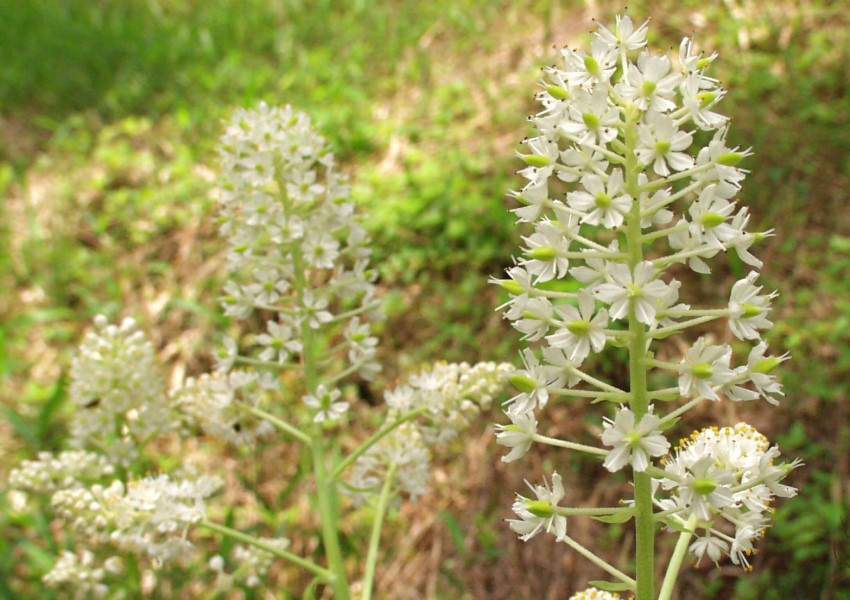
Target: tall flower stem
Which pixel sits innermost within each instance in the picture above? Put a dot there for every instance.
(639, 403)
(375, 537)
(676, 560)
(325, 487)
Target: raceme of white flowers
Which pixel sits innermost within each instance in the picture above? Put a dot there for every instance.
(629, 175)
(298, 257)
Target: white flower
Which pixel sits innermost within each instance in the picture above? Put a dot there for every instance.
(546, 249)
(643, 289)
(703, 367)
(713, 546)
(326, 404)
(536, 319)
(533, 383)
(633, 443)
(604, 204)
(582, 330)
(541, 514)
(759, 368)
(518, 436)
(747, 308)
(661, 144)
(624, 36)
(650, 84)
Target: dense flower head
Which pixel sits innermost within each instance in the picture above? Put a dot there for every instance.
(627, 179)
(726, 475)
(214, 402)
(251, 564)
(593, 593)
(51, 472)
(297, 249)
(146, 516)
(117, 390)
(80, 576)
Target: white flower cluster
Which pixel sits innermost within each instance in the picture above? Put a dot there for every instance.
(79, 577)
(296, 247)
(212, 402)
(729, 475)
(447, 397)
(118, 391)
(147, 516)
(617, 192)
(252, 564)
(592, 593)
(51, 472)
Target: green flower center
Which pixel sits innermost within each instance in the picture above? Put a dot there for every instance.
(662, 148)
(702, 370)
(648, 87)
(544, 253)
(634, 291)
(540, 508)
(579, 328)
(711, 220)
(705, 486)
(523, 383)
(632, 439)
(751, 310)
(603, 200)
(591, 120)
(591, 65)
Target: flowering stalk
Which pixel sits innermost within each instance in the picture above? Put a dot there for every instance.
(298, 257)
(608, 170)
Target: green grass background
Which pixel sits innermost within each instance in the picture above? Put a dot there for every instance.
(109, 114)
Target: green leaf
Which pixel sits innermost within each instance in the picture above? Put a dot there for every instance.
(22, 426)
(50, 406)
(618, 517)
(455, 532)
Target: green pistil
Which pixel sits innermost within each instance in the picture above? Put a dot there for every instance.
(702, 370)
(544, 253)
(634, 291)
(579, 328)
(648, 87)
(706, 99)
(591, 120)
(511, 286)
(705, 486)
(557, 92)
(536, 160)
(751, 311)
(603, 200)
(540, 508)
(730, 159)
(662, 148)
(591, 65)
(358, 337)
(703, 63)
(633, 439)
(712, 219)
(523, 383)
(766, 365)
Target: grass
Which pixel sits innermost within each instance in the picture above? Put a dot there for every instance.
(108, 117)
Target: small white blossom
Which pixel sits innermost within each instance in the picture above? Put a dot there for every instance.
(541, 514)
(633, 443)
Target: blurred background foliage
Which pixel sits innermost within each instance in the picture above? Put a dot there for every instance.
(109, 114)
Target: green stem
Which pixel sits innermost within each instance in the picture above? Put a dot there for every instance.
(550, 441)
(676, 560)
(600, 563)
(325, 487)
(320, 572)
(282, 425)
(376, 437)
(375, 537)
(639, 403)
